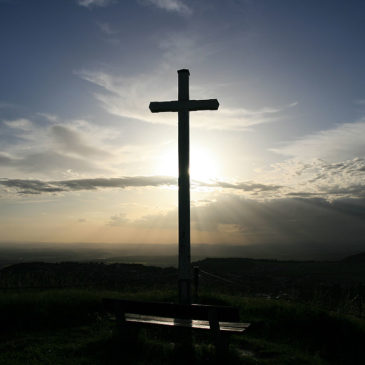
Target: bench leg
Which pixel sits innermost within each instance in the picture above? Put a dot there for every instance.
(126, 332)
(184, 350)
(120, 324)
(221, 346)
(220, 340)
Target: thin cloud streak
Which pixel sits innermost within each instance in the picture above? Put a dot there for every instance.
(130, 96)
(243, 186)
(52, 148)
(39, 187)
(107, 29)
(329, 185)
(24, 186)
(72, 141)
(94, 3)
(22, 124)
(343, 142)
(49, 162)
(171, 6)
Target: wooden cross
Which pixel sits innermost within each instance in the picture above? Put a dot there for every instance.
(183, 106)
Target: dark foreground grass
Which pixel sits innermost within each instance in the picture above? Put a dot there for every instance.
(69, 327)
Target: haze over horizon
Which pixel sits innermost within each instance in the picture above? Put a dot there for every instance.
(280, 165)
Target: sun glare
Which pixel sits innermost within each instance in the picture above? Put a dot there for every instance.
(203, 166)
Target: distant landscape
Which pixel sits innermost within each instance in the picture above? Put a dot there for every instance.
(333, 284)
(165, 255)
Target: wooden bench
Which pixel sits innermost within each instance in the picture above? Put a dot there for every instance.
(219, 320)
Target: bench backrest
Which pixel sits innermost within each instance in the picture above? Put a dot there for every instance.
(171, 310)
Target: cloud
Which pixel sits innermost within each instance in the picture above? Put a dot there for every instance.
(5, 159)
(130, 96)
(72, 141)
(107, 29)
(39, 187)
(60, 154)
(4, 105)
(22, 124)
(30, 186)
(49, 162)
(171, 5)
(328, 182)
(243, 186)
(94, 3)
(329, 164)
(346, 141)
(118, 220)
(300, 223)
(50, 117)
(56, 148)
(123, 182)
(288, 219)
(318, 178)
(164, 220)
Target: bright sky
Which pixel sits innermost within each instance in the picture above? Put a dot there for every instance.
(82, 159)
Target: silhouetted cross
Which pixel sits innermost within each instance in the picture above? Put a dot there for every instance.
(183, 106)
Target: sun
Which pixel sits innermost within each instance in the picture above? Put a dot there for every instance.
(203, 165)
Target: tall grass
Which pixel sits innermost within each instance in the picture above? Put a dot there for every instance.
(61, 307)
(281, 332)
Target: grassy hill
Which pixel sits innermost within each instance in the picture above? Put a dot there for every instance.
(75, 274)
(300, 312)
(337, 286)
(69, 327)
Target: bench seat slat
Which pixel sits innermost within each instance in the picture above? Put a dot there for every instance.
(230, 327)
(193, 311)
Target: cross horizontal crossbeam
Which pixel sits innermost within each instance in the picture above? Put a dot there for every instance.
(183, 105)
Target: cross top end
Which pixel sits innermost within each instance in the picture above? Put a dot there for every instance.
(183, 104)
(184, 70)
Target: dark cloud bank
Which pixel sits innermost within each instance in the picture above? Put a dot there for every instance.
(290, 228)
(23, 186)
(39, 187)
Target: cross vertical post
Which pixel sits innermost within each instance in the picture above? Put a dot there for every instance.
(183, 106)
(184, 191)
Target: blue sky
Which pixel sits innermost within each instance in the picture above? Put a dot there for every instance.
(82, 159)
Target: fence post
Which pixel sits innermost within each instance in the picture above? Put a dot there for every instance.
(196, 283)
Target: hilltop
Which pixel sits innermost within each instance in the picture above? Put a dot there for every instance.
(333, 285)
(358, 258)
(84, 275)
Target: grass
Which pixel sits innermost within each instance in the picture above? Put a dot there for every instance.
(69, 327)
